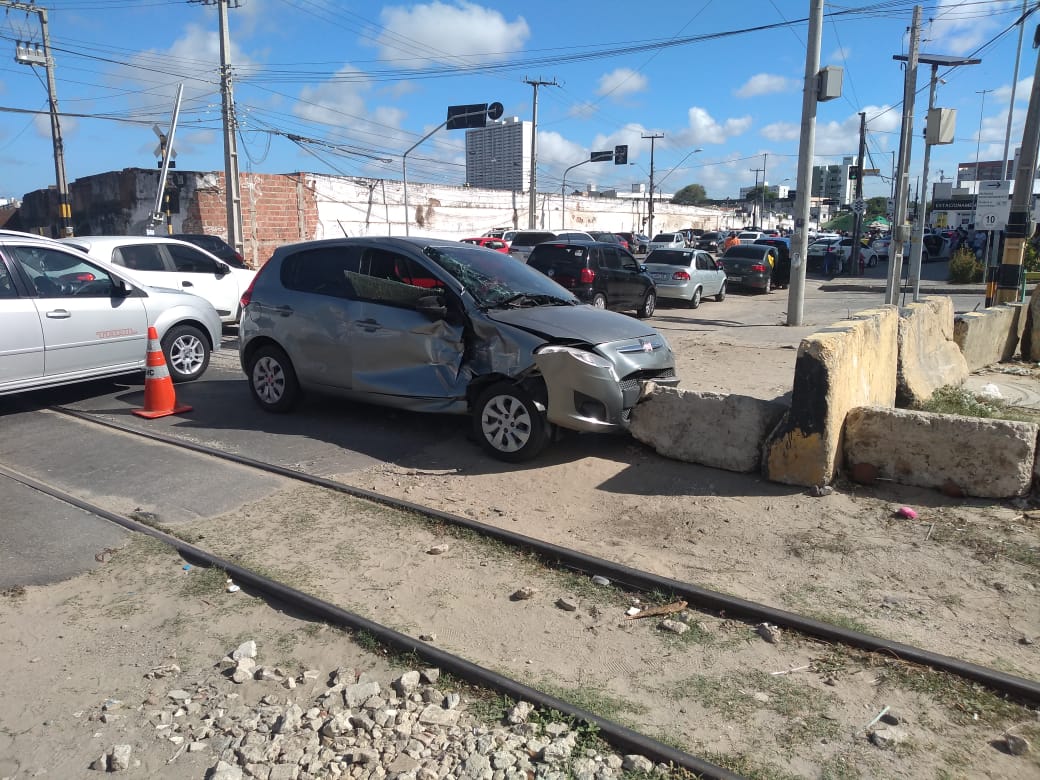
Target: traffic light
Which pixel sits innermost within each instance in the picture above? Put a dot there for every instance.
(853, 172)
(621, 154)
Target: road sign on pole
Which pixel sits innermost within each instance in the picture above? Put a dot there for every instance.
(859, 205)
(992, 205)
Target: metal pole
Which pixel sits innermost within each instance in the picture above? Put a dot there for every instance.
(806, 147)
(532, 206)
(563, 221)
(978, 143)
(650, 203)
(1019, 225)
(917, 241)
(899, 228)
(157, 215)
(1014, 86)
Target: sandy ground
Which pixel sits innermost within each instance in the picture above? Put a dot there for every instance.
(960, 580)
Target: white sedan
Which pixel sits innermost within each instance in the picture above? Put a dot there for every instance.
(177, 265)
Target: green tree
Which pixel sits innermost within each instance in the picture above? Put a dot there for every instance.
(877, 206)
(690, 195)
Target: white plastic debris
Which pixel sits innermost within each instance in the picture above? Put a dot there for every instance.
(990, 391)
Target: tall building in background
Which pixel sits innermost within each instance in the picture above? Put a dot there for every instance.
(498, 156)
(832, 182)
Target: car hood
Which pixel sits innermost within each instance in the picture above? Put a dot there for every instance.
(573, 323)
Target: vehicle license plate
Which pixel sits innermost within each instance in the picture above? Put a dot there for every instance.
(737, 279)
(659, 275)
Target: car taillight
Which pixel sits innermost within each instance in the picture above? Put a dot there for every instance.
(758, 268)
(681, 276)
(588, 276)
(247, 296)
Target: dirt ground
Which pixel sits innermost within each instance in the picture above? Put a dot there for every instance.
(960, 580)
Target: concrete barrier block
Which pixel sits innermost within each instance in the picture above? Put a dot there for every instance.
(928, 356)
(1031, 327)
(989, 336)
(847, 365)
(972, 456)
(713, 429)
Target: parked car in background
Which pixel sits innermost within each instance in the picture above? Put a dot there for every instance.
(69, 318)
(782, 268)
(525, 240)
(216, 246)
(825, 256)
(687, 275)
(641, 245)
(881, 247)
(167, 262)
(498, 244)
(602, 274)
(749, 236)
(711, 241)
(608, 238)
(667, 241)
(574, 235)
(750, 265)
(473, 332)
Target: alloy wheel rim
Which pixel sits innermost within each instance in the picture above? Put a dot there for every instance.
(269, 380)
(186, 355)
(506, 423)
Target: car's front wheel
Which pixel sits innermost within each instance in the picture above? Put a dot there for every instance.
(695, 301)
(272, 379)
(599, 301)
(186, 351)
(508, 423)
(649, 305)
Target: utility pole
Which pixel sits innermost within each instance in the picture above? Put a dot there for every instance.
(1019, 224)
(532, 207)
(757, 194)
(233, 199)
(762, 212)
(650, 203)
(26, 54)
(899, 228)
(806, 147)
(857, 222)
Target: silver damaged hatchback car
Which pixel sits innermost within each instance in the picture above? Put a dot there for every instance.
(441, 326)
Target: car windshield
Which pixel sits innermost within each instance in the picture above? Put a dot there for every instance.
(495, 279)
(670, 257)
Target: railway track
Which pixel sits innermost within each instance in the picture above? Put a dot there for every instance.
(1014, 687)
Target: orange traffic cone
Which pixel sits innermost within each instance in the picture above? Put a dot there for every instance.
(159, 398)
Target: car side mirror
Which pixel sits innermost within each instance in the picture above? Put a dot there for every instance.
(223, 269)
(432, 306)
(121, 288)
(643, 269)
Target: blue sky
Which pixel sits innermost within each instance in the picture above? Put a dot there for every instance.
(372, 78)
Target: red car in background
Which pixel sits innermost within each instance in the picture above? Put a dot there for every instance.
(489, 243)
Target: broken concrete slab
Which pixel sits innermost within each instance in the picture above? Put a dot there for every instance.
(929, 358)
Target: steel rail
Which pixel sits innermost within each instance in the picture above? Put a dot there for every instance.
(1020, 688)
(620, 737)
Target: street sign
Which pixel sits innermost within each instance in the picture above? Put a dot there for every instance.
(601, 156)
(871, 171)
(992, 205)
(859, 205)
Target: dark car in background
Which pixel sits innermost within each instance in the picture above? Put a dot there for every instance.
(440, 326)
(602, 274)
(710, 241)
(525, 240)
(750, 265)
(782, 269)
(216, 246)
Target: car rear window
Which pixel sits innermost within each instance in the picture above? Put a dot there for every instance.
(670, 257)
(558, 257)
(746, 250)
(530, 239)
(664, 238)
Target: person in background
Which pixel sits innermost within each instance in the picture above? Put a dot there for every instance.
(731, 240)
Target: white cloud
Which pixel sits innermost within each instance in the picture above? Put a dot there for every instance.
(332, 101)
(1022, 91)
(444, 32)
(842, 138)
(961, 30)
(781, 131)
(766, 84)
(621, 82)
(704, 129)
(584, 110)
(555, 151)
(839, 55)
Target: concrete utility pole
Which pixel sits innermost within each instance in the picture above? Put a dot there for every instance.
(857, 223)
(26, 54)
(756, 194)
(806, 147)
(650, 203)
(899, 228)
(232, 195)
(1020, 224)
(762, 211)
(532, 207)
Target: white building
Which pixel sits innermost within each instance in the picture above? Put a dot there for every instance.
(832, 182)
(498, 157)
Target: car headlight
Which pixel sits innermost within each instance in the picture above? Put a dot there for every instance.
(580, 354)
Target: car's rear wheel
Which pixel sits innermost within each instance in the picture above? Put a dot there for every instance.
(186, 351)
(649, 305)
(599, 300)
(768, 288)
(720, 296)
(695, 301)
(272, 379)
(508, 423)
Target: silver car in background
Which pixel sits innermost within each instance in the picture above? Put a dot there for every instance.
(441, 326)
(67, 318)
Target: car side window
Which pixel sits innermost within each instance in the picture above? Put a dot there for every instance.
(189, 260)
(57, 274)
(627, 261)
(610, 257)
(392, 279)
(321, 271)
(6, 283)
(139, 257)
